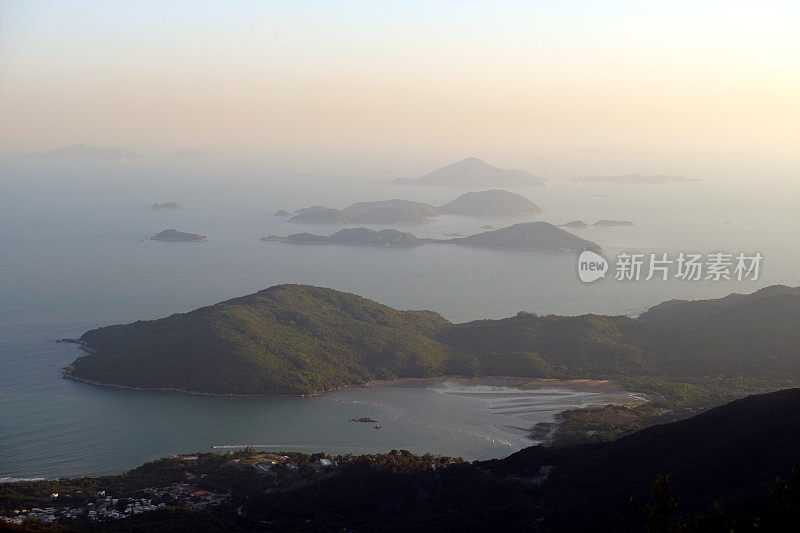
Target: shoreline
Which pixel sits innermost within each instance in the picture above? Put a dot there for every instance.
(584, 384)
(581, 384)
(385, 245)
(68, 375)
(427, 241)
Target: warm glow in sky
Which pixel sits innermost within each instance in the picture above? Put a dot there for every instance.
(454, 76)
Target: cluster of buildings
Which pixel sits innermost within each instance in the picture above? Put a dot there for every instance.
(187, 495)
(104, 508)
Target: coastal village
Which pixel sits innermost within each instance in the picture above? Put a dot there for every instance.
(188, 493)
(105, 507)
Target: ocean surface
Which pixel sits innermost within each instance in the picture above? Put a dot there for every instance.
(74, 255)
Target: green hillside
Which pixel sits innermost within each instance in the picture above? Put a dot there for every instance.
(288, 339)
(296, 339)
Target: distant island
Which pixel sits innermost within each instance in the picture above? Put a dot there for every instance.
(361, 236)
(575, 224)
(611, 223)
(600, 223)
(472, 172)
(636, 178)
(190, 156)
(81, 152)
(173, 235)
(538, 236)
(492, 202)
(282, 213)
(320, 215)
(300, 340)
(167, 205)
(84, 153)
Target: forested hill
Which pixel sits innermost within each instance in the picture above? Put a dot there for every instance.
(730, 454)
(296, 339)
(288, 339)
(776, 304)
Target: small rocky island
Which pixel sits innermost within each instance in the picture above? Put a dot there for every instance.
(173, 235)
(493, 202)
(575, 224)
(167, 205)
(282, 213)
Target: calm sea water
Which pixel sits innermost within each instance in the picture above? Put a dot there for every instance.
(74, 256)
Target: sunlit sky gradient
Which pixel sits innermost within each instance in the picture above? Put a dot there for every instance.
(449, 78)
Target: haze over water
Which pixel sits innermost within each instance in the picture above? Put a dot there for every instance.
(324, 103)
(74, 257)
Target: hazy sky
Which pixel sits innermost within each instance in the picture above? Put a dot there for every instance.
(449, 77)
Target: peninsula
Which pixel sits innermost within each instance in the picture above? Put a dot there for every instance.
(301, 340)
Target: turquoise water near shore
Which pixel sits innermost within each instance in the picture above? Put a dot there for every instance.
(74, 257)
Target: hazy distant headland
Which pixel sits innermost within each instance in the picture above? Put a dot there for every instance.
(492, 202)
(298, 339)
(381, 212)
(166, 205)
(88, 154)
(636, 178)
(81, 152)
(535, 236)
(360, 236)
(600, 223)
(472, 172)
(612, 223)
(192, 157)
(173, 235)
(575, 224)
